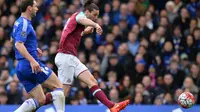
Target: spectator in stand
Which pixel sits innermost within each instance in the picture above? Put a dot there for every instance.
(196, 34)
(195, 74)
(178, 4)
(177, 74)
(185, 63)
(3, 98)
(177, 40)
(14, 93)
(189, 84)
(123, 14)
(112, 80)
(192, 7)
(168, 86)
(183, 20)
(138, 99)
(170, 8)
(168, 99)
(139, 89)
(144, 30)
(81, 98)
(177, 93)
(114, 95)
(190, 48)
(167, 52)
(198, 58)
(193, 25)
(5, 76)
(126, 88)
(133, 43)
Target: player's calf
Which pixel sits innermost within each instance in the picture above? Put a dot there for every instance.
(28, 106)
(88, 78)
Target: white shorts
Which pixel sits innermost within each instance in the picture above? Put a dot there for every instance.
(69, 67)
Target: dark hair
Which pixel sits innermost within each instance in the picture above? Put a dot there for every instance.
(25, 4)
(88, 5)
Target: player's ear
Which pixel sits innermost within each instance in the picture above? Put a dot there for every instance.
(87, 12)
(29, 8)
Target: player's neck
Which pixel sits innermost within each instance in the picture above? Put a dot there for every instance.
(26, 16)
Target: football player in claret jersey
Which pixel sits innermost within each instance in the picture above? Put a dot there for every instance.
(30, 71)
(69, 66)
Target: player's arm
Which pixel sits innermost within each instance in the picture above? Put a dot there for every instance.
(20, 37)
(82, 19)
(23, 51)
(87, 30)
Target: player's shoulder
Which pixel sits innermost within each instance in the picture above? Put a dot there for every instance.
(22, 22)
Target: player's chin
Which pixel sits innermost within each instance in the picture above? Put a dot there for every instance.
(33, 14)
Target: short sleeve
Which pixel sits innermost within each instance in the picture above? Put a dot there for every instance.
(21, 32)
(80, 15)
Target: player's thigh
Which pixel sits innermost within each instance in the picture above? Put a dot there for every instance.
(83, 74)
(38, 94)
(66, 68)
(52, 82)
(48, 78)
(87, 78)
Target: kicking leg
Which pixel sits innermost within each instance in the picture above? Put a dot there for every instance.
(88, 78)
(37, 100)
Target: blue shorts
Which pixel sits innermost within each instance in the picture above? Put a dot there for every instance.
(27, 78)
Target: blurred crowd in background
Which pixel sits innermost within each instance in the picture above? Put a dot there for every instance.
(149, 50)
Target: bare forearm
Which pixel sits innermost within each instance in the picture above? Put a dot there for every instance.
(23, 51)
(87, 22)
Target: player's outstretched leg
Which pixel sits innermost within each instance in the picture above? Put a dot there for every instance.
(57, 95)
(87, 78)
(33, 103)
(28, 106)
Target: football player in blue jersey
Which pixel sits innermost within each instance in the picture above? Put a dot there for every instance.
(30, 71)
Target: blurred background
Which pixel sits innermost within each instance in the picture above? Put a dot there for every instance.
(149, 50)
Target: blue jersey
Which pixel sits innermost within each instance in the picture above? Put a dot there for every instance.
(23, 32)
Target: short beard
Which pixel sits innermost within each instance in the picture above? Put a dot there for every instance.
(33, 15)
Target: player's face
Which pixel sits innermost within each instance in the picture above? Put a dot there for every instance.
(34, 9)
(94, 15)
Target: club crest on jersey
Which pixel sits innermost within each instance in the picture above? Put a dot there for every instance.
(23, 34)
(69, 80)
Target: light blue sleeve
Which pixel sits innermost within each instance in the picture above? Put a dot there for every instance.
(80, 15)
(21, 31)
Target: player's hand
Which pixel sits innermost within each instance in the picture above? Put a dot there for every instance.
(98, 29)
(88, 30)
(35, 67)
(39, 52)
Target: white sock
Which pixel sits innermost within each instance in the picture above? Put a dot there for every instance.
(58, 100)
(28, 106)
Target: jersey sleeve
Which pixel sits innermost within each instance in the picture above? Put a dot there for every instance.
(21, 31)
(80, 15)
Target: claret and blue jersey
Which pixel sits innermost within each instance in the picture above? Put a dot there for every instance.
(23, 32)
